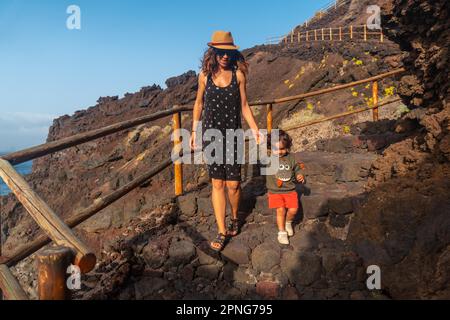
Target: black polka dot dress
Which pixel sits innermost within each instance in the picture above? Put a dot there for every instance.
(222, 111)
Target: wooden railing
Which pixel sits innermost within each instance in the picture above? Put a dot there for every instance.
(53, 262)
(346, 33)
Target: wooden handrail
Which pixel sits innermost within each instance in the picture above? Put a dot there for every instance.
(328, 90)
(9, 285)
(58, 145)
(80, 216)
(52, 147)
(103, 202)
(337, 116)
(46, 218)
(352, 31)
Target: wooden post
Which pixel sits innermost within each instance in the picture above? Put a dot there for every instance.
(292, 36)
(10, 286)
(375, 100)
(323, 36)
(331, 34)
(51, 223)
(52, 266)
(307, 35)
(315, 34)
(381, 35)
(365, 32)
(340, 33)
(351, 32)
(177, 148)
(299, 37)
(269, 118)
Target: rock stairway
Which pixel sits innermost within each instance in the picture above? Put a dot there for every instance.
(177, 262)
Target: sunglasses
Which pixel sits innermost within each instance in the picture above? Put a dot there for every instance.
(222, 52)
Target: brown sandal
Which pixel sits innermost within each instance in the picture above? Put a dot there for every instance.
(219, 243)
(233, 228)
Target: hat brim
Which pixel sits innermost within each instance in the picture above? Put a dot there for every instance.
(224, 47)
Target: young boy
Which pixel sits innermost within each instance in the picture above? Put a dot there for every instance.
(281, 187)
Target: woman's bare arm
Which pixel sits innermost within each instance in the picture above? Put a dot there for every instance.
(198, 108)
(246, 111)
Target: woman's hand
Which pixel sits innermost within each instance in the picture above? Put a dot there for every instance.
(192, 141)
(258, 136)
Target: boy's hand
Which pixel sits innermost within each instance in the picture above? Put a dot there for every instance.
(300, 178)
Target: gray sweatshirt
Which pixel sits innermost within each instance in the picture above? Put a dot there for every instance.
(285, 179)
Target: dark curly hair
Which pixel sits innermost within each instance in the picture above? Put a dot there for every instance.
(210, 66)
(284, 139)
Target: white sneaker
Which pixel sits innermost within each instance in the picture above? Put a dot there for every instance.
(283, 237)
(289, 229)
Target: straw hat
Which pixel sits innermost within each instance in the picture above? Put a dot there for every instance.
(222, 40)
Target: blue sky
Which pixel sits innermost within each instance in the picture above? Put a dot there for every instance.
(47, 70)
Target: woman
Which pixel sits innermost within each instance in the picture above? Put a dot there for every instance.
(222, 93)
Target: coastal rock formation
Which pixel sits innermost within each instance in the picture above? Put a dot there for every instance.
(405, 225)
(377, 193)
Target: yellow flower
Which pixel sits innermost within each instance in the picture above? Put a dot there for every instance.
(309, 106)
(368, 86)
(346, 129)
(389, 91)
(292, 85)
(354, 93)
(287, 81)
(351, 108)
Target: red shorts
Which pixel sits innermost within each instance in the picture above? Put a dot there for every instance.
(283, 200)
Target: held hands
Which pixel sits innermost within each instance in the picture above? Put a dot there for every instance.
(300, 178)
(258, 136)
(192, 141)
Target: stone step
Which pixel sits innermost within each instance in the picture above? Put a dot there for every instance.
(358, 143)
(331, 168)
(335, 185)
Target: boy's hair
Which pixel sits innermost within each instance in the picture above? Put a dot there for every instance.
(284, 138)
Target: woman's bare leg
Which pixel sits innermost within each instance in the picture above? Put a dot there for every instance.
(219, 204)
(234, 194)
(281, 219)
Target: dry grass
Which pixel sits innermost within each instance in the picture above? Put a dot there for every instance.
(299, 117)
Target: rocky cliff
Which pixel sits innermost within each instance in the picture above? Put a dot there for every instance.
(377, 192)
(406, 221)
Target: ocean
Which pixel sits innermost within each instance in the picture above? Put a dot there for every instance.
(23, 169)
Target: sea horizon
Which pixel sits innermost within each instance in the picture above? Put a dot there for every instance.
(23, 169)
